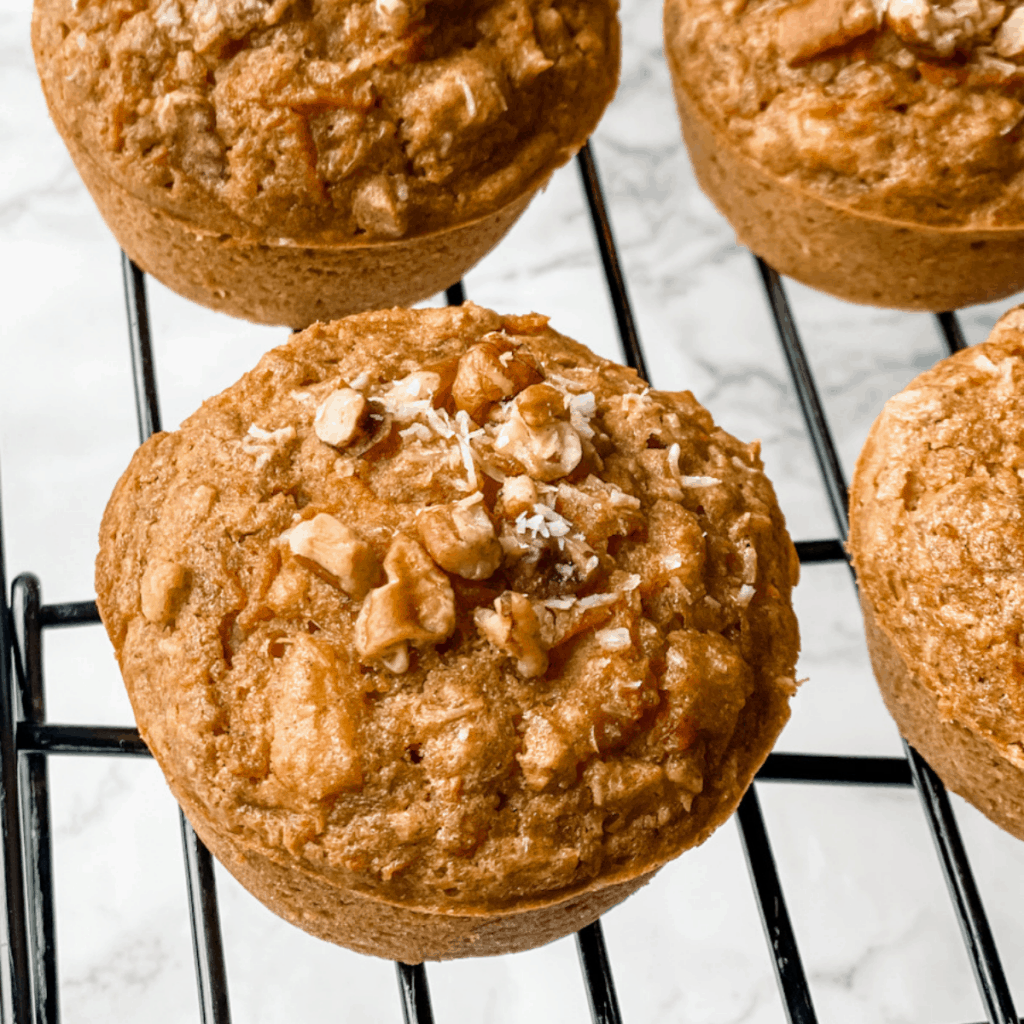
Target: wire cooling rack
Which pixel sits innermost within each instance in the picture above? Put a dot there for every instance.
(27, 740)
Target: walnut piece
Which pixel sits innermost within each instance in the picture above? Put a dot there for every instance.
(1009, 41)
(547, 447)
(813, 27)
(518, 494)
(514, 627)
(460, 537)
(540, 405)
(940, 28)
(487, 375)
(340, 417)
(337, 549)
(416, 604)
(162, 587)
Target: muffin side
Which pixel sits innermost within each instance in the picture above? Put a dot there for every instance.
(937, 539)
(290, 126)
(861, 167)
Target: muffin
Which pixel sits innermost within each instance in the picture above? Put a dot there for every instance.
(293, 160)
(870, 148)
(937, 538)
(447, 633)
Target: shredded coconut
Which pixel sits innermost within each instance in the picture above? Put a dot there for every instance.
(545, 522)
(617, 639)
(581, 409)
(745, 595)
(559, 604)
(698, 481)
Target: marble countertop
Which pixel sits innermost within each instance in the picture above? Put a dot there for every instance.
(865, 893)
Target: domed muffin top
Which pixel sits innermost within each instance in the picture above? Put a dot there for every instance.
(327, 121)
(908, 109)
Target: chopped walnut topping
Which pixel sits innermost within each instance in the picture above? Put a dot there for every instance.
(815, 26)
(348, 559)
(460, 537)
(163, 584)
(518, 495)
(943, 27)
(547, 447)
(416, 604)
(1009, 41)
(340, 417)
(514, 627)
(487, 375)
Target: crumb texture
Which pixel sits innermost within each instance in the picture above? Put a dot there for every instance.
(327, 120)
(439, 606)
(938, 532)
(906, 109)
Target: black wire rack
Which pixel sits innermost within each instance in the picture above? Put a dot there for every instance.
(27, 739)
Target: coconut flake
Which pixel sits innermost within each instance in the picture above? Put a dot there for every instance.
(581, 409)
(698, 481)
(617, 639)
(745, 595)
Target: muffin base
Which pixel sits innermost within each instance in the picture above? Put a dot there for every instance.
(871, 260)
(289, 284)
(970, 765)
(372, 926)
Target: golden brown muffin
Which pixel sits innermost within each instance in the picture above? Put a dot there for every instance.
(293, 160)
(447, 633)
(870, 148)
(937, 538)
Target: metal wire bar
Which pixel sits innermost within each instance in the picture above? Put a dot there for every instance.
(951, 331)
(147, 405)
(16, 947)
(829, 769)
(984, 956)
(820, 551)
(597, 973)
(456, 295)
(35, 804)
(207, 944)
(988, 969)
(628, 334)
(211, 976)
(72, 613)
(414, 994)
(807, 393)
(80, 739)
(789, 970)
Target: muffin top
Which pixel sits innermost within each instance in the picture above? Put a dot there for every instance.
(907, 109)
(937, 530)
(441, 605)
(327, 121)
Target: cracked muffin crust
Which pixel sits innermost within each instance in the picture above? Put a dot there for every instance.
(937, 538)
(446, 632)
(871, 148)
(276, 129)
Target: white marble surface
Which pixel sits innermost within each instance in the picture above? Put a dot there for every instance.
(865, 893)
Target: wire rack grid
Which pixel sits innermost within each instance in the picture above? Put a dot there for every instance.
(28, 739)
